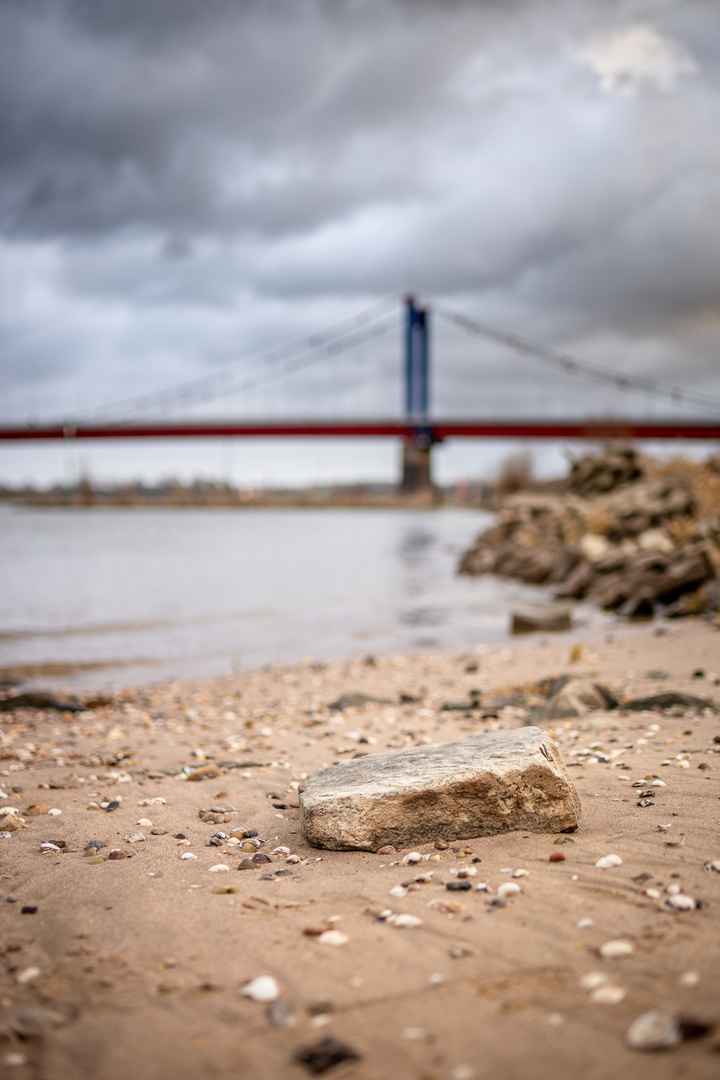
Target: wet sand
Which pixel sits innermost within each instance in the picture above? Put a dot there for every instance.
(141, 960)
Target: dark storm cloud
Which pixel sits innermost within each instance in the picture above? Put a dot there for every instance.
(186, 181)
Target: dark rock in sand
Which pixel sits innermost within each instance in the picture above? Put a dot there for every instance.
(40, 699)
(355, 700)
(669, 700)
(540, 617)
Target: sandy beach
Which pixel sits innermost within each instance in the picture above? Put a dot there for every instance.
(136, 965)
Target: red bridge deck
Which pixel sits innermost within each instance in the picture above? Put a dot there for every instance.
(437, 430)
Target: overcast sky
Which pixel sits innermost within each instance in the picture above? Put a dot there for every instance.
(185, 184)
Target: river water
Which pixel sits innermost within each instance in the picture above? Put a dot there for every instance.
(108, 597)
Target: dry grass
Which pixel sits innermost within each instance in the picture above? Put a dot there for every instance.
(704, 477)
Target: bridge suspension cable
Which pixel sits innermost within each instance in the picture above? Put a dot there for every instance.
(261, 368)
(572, 366)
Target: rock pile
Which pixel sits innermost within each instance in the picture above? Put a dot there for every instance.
(624, 535)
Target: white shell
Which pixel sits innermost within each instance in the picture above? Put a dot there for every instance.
(264, 988)
(607, 995)
(410, 858)
(509, 888)
(613, 950)
(333, 937)
(406, 922)
(680, 902)
(608, 861)
(654, 1030)
(188, 855)
(219, 868)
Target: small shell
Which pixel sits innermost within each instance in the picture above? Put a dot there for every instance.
(406, 922)
(509, 888)
(654, 1030)
(54, 812)
(613, 950)
(188, 855)
(608, 861)
(607, 995)
(144, 823)
(264, 988)
(398, 891)
(332, 937)
(28, 975)
(411, 858)
(219, 868)
(680, 902)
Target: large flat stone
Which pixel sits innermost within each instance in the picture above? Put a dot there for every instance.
(495, 782)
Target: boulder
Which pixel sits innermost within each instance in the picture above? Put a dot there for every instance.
(491, 783)
(540, 617)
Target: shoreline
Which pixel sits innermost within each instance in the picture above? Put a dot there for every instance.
(142, 960)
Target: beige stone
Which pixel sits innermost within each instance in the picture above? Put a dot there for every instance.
(490, 783)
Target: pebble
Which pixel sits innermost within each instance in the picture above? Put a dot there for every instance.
(117, 853)
(263, 988)
(324, 1055)
(188, 855)
(135, 838)
(509, 888)
(655, 1030)
(158, 832)
(557, 856)
(613, 950)
(281, 1014)
(608, 861)
(458, 886)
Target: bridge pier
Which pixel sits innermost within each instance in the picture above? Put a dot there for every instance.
(416, 478)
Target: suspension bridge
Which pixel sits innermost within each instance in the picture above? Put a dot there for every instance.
(482, 401)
